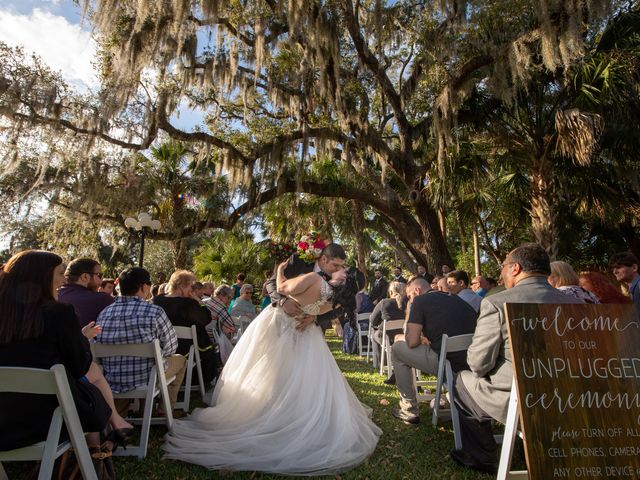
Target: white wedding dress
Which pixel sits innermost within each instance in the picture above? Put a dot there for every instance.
(281, 406)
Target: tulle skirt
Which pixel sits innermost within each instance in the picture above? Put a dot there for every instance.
(281, 406)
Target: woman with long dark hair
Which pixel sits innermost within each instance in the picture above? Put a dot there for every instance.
(38, 332)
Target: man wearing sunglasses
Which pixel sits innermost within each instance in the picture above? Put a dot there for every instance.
(84, 277)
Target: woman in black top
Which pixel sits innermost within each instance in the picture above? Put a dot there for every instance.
(185, 309)
(392, 308)
(38, 332)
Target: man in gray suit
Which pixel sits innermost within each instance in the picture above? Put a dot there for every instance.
(482, 393)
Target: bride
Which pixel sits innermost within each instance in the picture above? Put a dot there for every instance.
(282, 404)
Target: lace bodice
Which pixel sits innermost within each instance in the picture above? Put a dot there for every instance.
(326, 292)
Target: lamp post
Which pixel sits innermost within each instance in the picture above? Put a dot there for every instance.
(142, 224)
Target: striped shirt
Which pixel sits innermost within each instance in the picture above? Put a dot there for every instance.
(219, 314)
(133, 320)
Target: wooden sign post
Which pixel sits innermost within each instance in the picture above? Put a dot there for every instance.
(577, 370)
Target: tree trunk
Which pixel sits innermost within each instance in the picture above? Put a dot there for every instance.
(462, 233)
(442, 222)
(179, 252)
(433, 245)
(544, 214)
(358, 230)
(476, 251)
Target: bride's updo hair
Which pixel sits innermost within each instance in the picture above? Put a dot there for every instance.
(345, 294)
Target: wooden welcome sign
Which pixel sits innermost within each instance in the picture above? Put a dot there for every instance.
(577, 370)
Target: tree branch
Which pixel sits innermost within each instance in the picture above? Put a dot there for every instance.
(372, 63)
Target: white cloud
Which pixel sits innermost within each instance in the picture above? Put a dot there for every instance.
(63, 46)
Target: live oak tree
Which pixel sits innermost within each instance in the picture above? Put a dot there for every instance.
(374, 87)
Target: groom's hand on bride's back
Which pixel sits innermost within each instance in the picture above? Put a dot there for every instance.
(304, 321)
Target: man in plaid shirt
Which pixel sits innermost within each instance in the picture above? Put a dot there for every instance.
(131, 319)
(218, 305)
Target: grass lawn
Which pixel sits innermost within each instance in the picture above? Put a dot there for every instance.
(404, 452)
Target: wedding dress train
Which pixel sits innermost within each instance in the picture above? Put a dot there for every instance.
(282, 406)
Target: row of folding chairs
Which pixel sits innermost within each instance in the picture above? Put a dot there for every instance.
(54, 381)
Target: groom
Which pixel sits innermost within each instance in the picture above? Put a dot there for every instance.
(330, 261)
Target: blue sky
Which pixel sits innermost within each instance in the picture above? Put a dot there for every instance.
(52, 29)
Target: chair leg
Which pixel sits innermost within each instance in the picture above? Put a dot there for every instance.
(510, 432)
(436, 406)
(146, 419)
(382, 358)
(51, 446)
(455, 419)
(200, 376)
(389, 364)
(187, 384)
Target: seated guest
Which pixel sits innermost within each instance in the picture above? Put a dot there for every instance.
(37, 331)
(243, 307)
(603, 288)
(131, 319)
(626, 268)
(238, 285)
(431, 315)
(458, 284)
(184, 309)
(198, 288)
(84, 277)
(107, 285)
(264, 294)
(482, 393)
(218, 308)
(363, 302)
(392, 308)
(565, 279)
(496, 286)
(442, 285)
(207, 290)
(480, 286)
(434, 282)
(155, 290)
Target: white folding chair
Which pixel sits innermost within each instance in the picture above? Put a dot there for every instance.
(157, 385)
(193, 359)
(371, 350)
(48, 382)
(244, 324)
(445, 378)
(508, 440)
(385, 351)
(361, 317)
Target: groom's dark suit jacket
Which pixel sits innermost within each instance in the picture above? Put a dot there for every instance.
(297, 267)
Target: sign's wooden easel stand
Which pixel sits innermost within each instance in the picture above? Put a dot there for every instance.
(509, 440)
